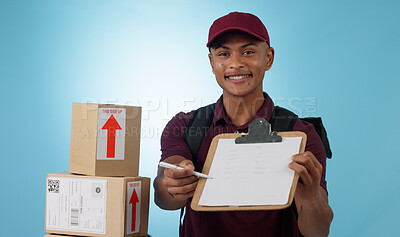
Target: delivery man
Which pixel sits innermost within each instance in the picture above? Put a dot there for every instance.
(240, 54)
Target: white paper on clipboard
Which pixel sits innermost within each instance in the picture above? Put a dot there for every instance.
(250, 174)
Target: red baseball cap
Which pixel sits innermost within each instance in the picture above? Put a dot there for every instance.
(246, 22)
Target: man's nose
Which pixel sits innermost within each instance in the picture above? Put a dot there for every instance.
(236, 61)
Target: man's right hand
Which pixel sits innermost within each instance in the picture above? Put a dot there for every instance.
(174, 186)
(181, 183)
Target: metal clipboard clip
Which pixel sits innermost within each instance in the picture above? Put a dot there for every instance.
(259, 132)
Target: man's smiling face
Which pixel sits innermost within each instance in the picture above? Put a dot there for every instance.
(239, 62)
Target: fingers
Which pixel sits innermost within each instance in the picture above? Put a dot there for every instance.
(313, 159)
(181, 188)
(186, 163)
(187, 170)
(183, 192)
(180, 182)
(177, 182)
(308, 167)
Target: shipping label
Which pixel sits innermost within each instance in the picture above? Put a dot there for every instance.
(133, 207)
(77, 205)
(111, 134)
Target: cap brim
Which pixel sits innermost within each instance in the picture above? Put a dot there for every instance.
(232, 29)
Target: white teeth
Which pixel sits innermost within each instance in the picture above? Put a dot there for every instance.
(237, 77)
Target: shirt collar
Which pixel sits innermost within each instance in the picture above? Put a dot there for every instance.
(264, 112)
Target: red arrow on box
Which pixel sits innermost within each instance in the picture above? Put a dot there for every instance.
(111, 125)
(133, 201)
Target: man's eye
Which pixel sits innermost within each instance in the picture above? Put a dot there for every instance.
(223, 54)
(248, 52)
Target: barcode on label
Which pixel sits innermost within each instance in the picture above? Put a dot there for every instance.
(74, 216)
(53, 186)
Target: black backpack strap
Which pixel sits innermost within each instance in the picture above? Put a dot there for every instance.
(194, 134)
(283, 120)
(320, 129)
(183, 212)
(197, 128)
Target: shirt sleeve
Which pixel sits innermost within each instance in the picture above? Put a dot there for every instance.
(313, 145)
(173, 137)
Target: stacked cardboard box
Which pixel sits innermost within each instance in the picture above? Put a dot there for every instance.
(51, 235)
(101, 195)
(55, 235)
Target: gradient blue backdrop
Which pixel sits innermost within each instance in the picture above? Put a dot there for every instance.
(335, 59)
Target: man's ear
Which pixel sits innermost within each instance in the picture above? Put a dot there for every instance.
(211, 62)
(270, 54)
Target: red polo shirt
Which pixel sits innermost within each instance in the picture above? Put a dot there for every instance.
(234, 223)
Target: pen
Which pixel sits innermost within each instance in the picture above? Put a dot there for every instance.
(171, 166)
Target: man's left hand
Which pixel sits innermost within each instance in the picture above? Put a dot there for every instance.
(308, 190)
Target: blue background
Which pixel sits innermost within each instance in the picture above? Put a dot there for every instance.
(335, 59)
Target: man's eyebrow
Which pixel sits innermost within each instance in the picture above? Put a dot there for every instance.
(243, 46)
(249, 44)
(221, 46)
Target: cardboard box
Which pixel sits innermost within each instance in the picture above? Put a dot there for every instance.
(56, 235)
(51, 235)
(105, 140)
(97, 206)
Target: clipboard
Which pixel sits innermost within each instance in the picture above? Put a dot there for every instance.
(259, 132)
